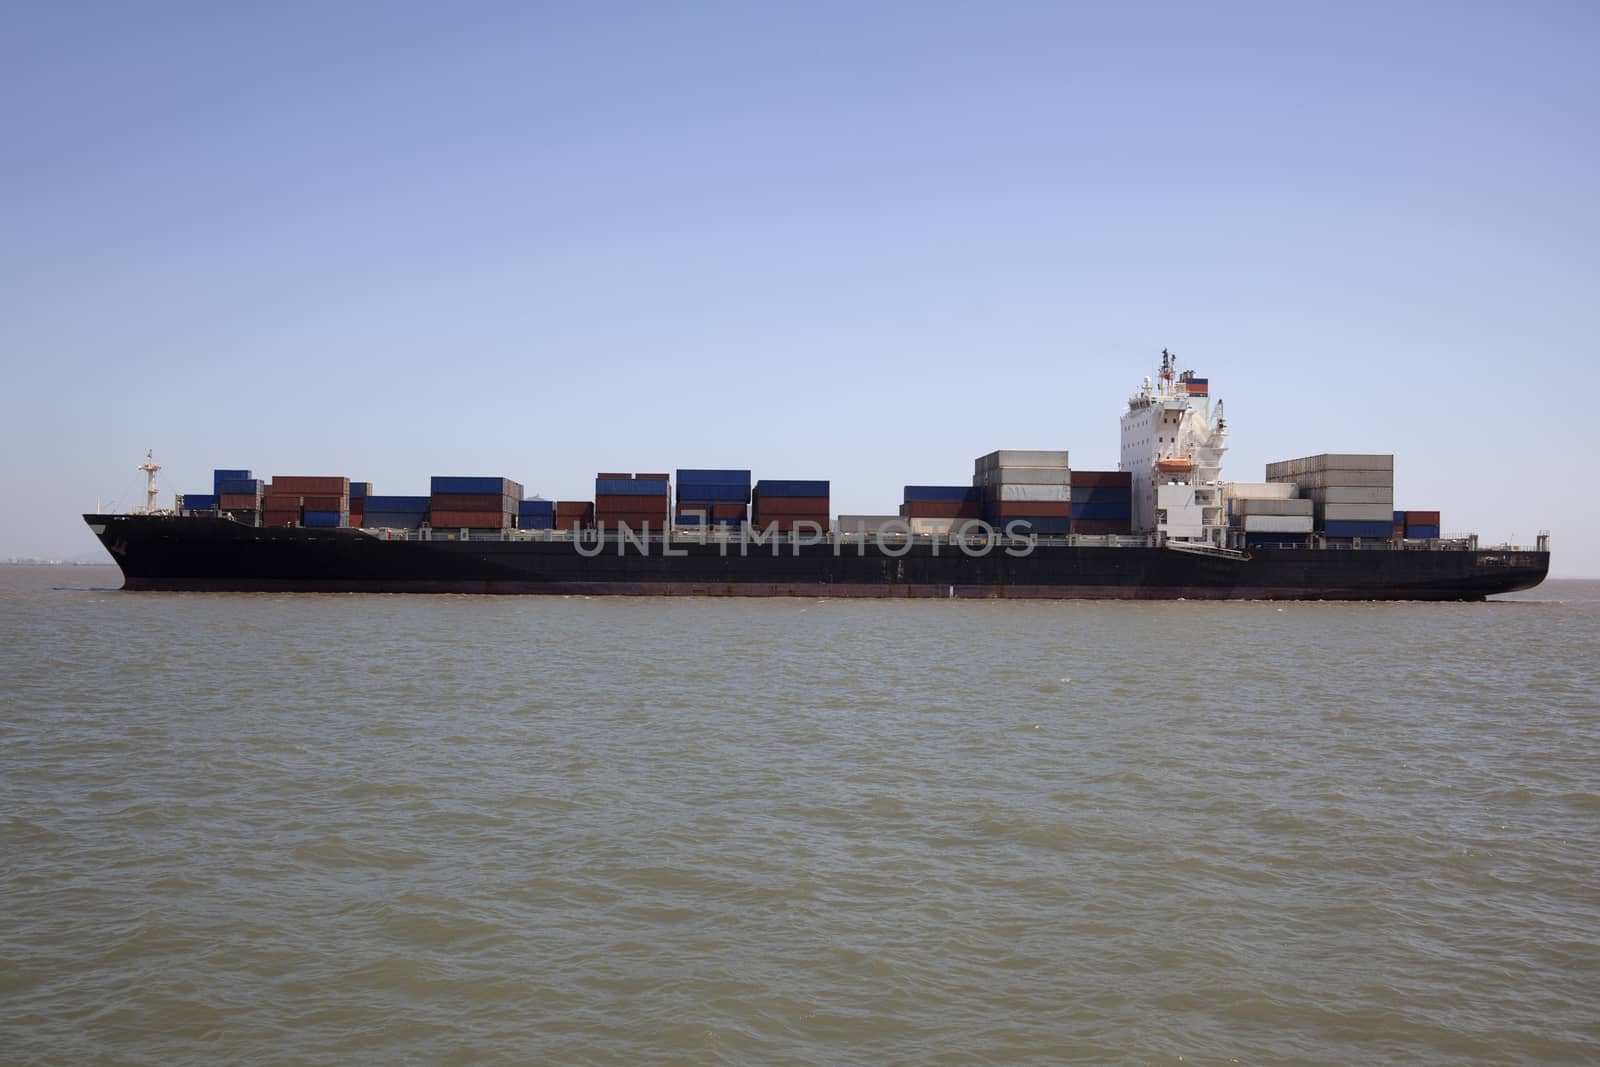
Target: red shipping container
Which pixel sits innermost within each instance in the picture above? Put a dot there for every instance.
(1033, 509)
(792, 505)
(325, 503)
(609, 502)
(1101, 526)
(294, 483)
(574, 507)
(467, 502)
(728, 511)
(652, 477)
(613, 475)
(472, 520)
(941, 509)
(276, 502)
(239, 502)
(571, 522)
(1103, 479)
(1422, 518)
(1397, 531)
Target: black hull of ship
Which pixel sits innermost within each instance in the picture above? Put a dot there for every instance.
(201, 554)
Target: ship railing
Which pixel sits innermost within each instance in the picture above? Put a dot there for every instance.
(733, 536)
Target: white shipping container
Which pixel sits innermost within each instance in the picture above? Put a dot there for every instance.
(1258, 490)
(1026, 476)
(1249, 506)
(1324, 479)
(1329, 461)
(1277, 524)
(1347, 494)
(937, 527)
(1021, 458)
(1062, 493)
(1357, 513)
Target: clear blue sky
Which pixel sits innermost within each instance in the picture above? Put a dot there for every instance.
(864, 242)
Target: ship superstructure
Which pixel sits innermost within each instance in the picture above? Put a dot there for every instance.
(1173, 439)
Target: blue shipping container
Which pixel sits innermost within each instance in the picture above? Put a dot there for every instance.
(478, 486)
(1399, 518)
(711, 477)
(237, 486)
(629, 487)
(1359, 529)
(359, 490)
(536, 507)
(325, 518)
(708, 493)
(229, 475)
(200, 501)
(774, 487)
(1106, 496)
(394, 520)
(1423, 532)
(687, 520)
(942, 494)
(1121, 510)
(410, 505)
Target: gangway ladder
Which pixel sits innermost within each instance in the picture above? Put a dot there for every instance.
(1196, 548)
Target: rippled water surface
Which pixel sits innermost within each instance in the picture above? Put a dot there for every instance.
(335, 829)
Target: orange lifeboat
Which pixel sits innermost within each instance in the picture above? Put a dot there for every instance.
(1174, 465)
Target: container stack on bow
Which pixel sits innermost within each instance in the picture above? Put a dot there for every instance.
(306, 500)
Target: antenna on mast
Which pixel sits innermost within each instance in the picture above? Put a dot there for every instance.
(149, 466)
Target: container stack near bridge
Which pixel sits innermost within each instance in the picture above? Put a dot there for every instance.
(1032, 488)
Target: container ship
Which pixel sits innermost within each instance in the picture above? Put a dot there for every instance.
(1164, 525)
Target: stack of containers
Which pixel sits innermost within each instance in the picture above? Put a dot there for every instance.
(785, 502)
(574, 514)
(199, 501)
(1102, 502)
(1029, 487)
(473, 503)
(642, 499)
(237, 492)
(939, 509)
(718, 497)
(358, 502)
(1352, 494)
(1268, 521)
(307, 500)
(1420, 525)
(536, 515)
(394, 512)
